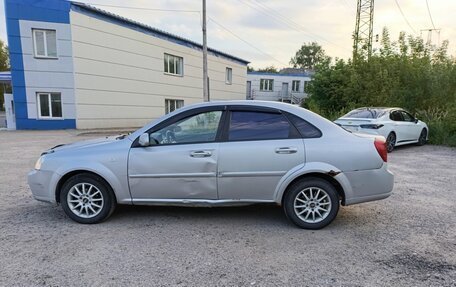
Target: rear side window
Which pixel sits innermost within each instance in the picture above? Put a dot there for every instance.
(305, 129)
(396, 116)
(365, 114)
(245, 125)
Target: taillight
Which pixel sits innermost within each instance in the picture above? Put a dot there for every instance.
(380, 145)
(371, 126)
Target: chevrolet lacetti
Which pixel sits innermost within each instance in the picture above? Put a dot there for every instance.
(219, 154)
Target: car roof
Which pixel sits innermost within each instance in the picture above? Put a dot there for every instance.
(310, 116)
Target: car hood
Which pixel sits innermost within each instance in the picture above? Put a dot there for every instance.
(83, 144)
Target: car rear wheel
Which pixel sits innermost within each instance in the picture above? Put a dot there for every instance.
(88, 199)
(390, 142)
(423, 137)
(312, 203)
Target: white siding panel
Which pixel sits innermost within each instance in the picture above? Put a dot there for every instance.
(119, 74)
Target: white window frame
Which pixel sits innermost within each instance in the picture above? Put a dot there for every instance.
(228, 76)
(38, 105)
(295, 86)
(177, 104)
(267, 86)
(175, 63)
(45, 56)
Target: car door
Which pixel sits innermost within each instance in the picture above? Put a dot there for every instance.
(260, 146)
(399, 126)
(413, 130)
(181, 163)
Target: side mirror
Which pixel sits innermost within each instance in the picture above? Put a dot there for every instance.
(144, 140)
(416, 121)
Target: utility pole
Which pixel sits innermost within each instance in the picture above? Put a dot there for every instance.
(363, 28)
(205, 76)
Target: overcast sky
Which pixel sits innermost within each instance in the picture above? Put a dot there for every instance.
(277, 28)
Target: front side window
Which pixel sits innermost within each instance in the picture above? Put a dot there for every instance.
(174, 65)
(45, 43)
(172, 105)
(200, 128)
(49, 105)
(407, 117)
(266, 85)
(246, 125)
(229, 76)
(295, 86)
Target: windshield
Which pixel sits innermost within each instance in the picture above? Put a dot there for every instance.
(365, 113)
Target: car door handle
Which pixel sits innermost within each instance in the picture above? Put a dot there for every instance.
(201, 153)
(286, 150)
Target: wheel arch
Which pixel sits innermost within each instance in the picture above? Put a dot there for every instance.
(320, 170)
(329, 177)
(72, 173)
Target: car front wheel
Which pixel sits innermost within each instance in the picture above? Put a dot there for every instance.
(423, 137)
(88, 199)
(311, 203)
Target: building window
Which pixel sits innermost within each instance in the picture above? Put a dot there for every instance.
(229, 76)
(172, 105)
(174, 65)
(49, 105)
(45, 43)
(295, 86)
(305, 85)
(266, 84)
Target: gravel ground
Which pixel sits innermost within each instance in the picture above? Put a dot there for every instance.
(408, 239)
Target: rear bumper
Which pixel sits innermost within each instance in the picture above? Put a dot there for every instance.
(369, 185)
(40, 182)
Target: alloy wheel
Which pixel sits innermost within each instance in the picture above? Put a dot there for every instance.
(390, 142)
(312, 205)
(85, 200)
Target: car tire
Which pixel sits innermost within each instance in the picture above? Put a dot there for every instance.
(390, 142)
(87, 198)
(423, 138)
(311, 203)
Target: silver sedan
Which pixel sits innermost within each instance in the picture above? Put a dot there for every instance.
(219, 154)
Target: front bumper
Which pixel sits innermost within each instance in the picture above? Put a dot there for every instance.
(369, 185)
(41, 182)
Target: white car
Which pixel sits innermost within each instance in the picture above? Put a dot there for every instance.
(398, 126)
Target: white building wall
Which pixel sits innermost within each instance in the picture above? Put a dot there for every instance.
(48, 75)
(277, 91)
(120, 80)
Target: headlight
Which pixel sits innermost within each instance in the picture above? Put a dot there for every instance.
(39, 162)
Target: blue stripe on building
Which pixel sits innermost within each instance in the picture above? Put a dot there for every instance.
(56, 11)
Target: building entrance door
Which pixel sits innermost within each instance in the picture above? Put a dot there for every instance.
(9, 112)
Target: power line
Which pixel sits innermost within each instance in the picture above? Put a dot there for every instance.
(142, 8)
(285, 20)
(429, 12)
(251, 45)
(405, 18)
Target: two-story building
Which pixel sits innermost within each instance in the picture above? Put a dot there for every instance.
(283, 86)
(76, 66)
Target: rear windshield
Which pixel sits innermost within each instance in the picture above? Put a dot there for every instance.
(365, 113)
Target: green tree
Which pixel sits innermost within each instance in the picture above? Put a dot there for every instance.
(309, 56)
(269, 69)
(408, 73)
(4, 59)
(4, 66)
